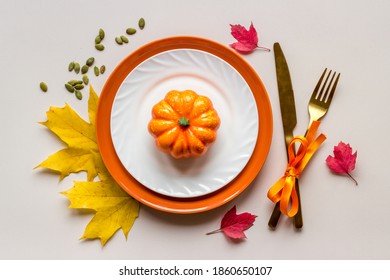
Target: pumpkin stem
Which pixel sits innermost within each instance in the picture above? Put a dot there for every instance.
(184, 122)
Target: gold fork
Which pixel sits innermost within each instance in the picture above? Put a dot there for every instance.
(318, 107)
(320, 100)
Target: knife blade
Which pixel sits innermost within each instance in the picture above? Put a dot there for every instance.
(286, 94)
(289, 120)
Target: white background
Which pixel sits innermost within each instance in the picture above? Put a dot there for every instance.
(341, 220)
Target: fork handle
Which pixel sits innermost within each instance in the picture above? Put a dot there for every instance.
(275, 216)
(298, 220)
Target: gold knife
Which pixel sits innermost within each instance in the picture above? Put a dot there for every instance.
(289, 119)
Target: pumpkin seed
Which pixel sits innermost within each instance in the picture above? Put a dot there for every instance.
(102, 69)
(75, 82)
(69, 87)
(118, 40)
(131, 31)
(98, 39)
(101, 33)
(141, 23)
(78, 86)
(85, 79)
(124, 39)
(99, 47)
(84, 69)
(76, 67)
(96, 70)
(90, 61)
(71, 66)
(43, 86)
(79, 95)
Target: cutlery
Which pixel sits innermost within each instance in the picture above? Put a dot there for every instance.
(289, 119)
(318, 106)
(320, 100)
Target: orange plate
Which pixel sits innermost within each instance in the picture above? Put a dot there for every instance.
(147, 196)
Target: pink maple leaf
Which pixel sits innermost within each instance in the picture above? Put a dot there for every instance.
(233, 225)
(343, 161)
(247, 40)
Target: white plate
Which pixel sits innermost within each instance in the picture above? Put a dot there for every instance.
(207, 75)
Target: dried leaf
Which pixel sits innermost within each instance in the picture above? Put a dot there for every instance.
(233, 225)
(247, 40)
(343, 161)
(114, 208)
(82, 153)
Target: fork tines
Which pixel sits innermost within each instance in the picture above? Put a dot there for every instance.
(326, 95)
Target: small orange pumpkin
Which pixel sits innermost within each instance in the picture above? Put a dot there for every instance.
(184, 124)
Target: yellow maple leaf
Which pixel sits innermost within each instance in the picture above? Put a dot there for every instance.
(82, 153)
(113, 207)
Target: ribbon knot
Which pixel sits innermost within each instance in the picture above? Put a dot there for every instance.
(291, 171)
(283, 190)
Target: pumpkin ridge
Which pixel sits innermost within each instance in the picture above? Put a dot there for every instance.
(194, 146)
(160, 126)
(177, 136)
(194, 133)
(163, 110)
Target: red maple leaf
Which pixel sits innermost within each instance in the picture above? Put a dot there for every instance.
(343, 161)
(233, 225)
(247, 40)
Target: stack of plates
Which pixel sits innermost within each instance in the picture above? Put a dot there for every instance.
(232, 161)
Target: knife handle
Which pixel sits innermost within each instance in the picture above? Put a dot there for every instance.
(275, 216)
(273, 220)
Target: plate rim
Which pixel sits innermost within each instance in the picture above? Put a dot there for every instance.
(144, 194)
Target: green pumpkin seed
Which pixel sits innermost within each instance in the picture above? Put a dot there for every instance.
(85, 79)
(69, 87)
(141, 23)
(71, 66)
(90, 61)
(102, 69)
(79, 95)
(99, 47)
(131, 31)
(124, 39)
(78, 86)
(118, 40)
(75, 82)
(98, 39)
(96, 70)
(76, 67)
(43, 86)
(84, 69)
(101, 33)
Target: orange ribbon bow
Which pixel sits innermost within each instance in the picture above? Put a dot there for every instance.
(284, 189)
